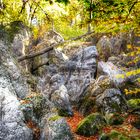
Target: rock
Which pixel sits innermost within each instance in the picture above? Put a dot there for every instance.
(91, 125)
(13, 87)
(55, 128)
(12, 126)
(59, 95)
(35, 107)
(95, 88)
(11, 73)
(60, 98)
(115, 119)
(74, 73)
(47, 39)
(116, 75)
(87, 105)
(119, 44)
(82, 70)
(20, 41)
(100, 85)
(111, 101)
(104, 47)
(114, 135)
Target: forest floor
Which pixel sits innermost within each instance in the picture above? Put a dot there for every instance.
(126, 128)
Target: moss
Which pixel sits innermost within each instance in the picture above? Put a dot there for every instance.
(116, 119)
(62, 112)
(104, 137)
(90, 125)
(87, 105)
(117, 135)
(134, 103)
(54, 118)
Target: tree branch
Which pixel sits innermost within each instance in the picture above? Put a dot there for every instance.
(131, 9)
(32, 55)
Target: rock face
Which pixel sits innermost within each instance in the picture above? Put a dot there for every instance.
(10, 71)
(55, 128)
(20, 42)
(12, 126)
(73, 74)
(12, 87)
(82, 70)
(103, 96)
(111, 101)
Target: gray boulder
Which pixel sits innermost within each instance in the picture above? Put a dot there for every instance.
(13, 87)
(119, 44)
(116, 75)
(12, 126)
(20, 42)
(74, 73)
(60, 98)
(11, 72)
(111, 101)
(59, 95)
(104, 47)
(55, 128)
(81, 72)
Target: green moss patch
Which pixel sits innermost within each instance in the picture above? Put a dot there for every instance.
(90, 125)
(54, 118)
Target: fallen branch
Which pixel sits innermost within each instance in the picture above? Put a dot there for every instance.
(32, 55)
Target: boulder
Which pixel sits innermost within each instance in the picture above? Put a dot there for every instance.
(91, 125)
(117, 76)
(55, 128)
(21, 40)
(82, 69)
(74, 73)
(35, 107)
(119, 44)
(104, 47)
(100, 85)
(111, 101)
(115, 119)
(60, 98)
(13, 87)
(95, 88)
(11, 72)
(12, 125)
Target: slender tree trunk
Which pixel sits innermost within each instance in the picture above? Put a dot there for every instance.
(90, 16)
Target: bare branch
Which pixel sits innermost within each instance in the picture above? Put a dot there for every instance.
(32, 55)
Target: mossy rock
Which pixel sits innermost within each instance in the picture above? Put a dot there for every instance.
(87, 106)
(136, 124)
(116, 119)
(104, 137)
(114, 135)
(91, 125)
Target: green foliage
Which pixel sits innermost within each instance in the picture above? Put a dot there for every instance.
(73, 17)
(134, 102)
(54, 118)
